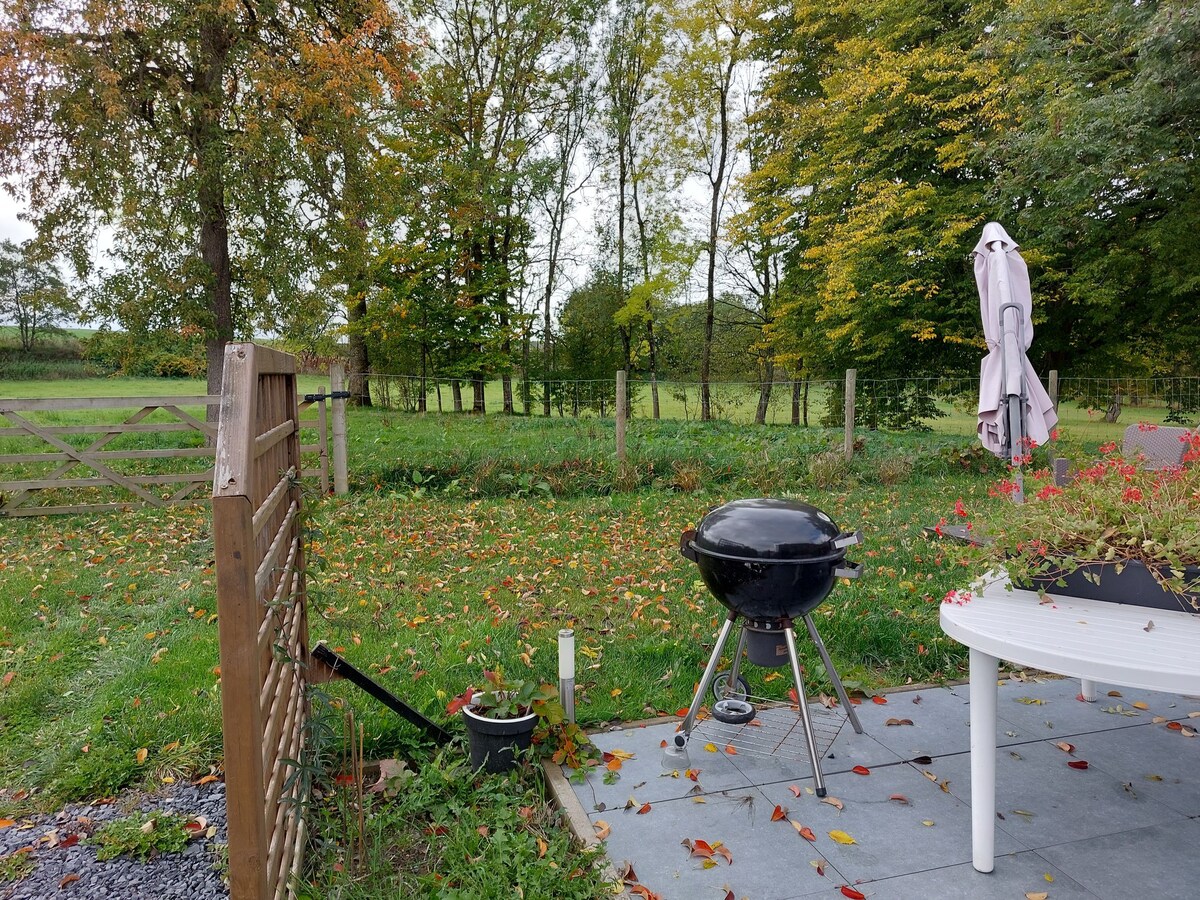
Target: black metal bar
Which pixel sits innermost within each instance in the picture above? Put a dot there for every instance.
(340, 667)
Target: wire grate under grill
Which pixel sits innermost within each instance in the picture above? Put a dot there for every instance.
(776, 731)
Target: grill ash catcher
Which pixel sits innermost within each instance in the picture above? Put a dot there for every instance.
(770, 563)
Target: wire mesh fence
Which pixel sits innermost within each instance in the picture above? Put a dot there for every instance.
(1090, 409)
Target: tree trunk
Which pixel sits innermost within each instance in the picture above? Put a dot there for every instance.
(795, 401)
(358, 384)
(764, 391)
(211, 158)
(456, 394)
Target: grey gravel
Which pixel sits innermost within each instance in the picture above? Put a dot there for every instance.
(192, 874)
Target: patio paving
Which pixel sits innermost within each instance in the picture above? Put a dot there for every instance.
(1128, 826)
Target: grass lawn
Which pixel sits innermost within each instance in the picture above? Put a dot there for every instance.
(465, 544)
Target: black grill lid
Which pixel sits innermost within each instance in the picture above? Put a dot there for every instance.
(769, 529)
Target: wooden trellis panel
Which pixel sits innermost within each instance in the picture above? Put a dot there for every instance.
(262, 618)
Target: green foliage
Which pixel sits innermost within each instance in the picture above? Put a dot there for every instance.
(16, 865)
(33, 297)
(142, 835)
(154, 354)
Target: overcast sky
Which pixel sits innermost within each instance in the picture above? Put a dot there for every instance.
(10, 228)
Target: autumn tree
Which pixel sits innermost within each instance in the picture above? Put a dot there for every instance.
(33, 297)
(219, 141)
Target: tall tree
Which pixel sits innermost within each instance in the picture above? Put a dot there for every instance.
(711, 48)
(202, 132)
(33, 297)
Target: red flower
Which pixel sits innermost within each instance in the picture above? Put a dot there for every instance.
(1049, 491)
(1132, 495)
(959, 509)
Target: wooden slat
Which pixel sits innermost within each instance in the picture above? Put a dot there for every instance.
(57, 456)
(267, 510)
(271, 558)
(270, 439)
(283, 812)
(14, 512)
(55, 404)
(278, 737)
(273, 621)
(130, 428)
(49, 483)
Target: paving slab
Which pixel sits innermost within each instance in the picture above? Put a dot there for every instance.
(1017, 875)
(1159, 861)
(1046, 802)
(1127, 826)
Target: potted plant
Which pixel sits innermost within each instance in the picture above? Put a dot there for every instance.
(501, 718)
(1116, 531)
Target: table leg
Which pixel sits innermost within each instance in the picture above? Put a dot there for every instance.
(1087, 690)
(984, 671)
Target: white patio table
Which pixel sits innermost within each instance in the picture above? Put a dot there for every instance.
(1086, 639)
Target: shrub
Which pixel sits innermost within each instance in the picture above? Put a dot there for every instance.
(828, 470)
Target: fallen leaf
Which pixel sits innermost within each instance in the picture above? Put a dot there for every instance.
(5, 823)
(861, 770)
(1149, 626)
(819, 865)
(779, 813)
(699, 848)
(1036, 895)
(1065, 747)
(731, 750)
(542, 847)
(1153, 777)
(879, 700)
(834, 802)
(1078, 764)
(141, 755)
(901, 799)
(602, 829)
(1174, 726)
(1115, 694)
(853, 894)
(69, 840)
(1140, 704)
(645, 809)
(922, 760)
(928, 823)
(723, 852)
(7, 679)
(794, 789)
(1049, 878)
(804, 831)
(622, 754)
(841, 837)
(67, 879)
(710, 747)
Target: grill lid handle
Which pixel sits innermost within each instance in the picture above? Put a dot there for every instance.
(685, 544)
(847, 539)
(848, 569)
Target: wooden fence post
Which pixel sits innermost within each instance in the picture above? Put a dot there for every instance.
(621, 412)
(851, 375)
(341, 483)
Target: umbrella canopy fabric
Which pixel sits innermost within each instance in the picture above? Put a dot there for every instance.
(1007, 381)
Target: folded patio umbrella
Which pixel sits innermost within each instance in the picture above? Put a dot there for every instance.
(1013, 405)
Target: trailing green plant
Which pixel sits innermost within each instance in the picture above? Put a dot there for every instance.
(142, 835)
(17, 865)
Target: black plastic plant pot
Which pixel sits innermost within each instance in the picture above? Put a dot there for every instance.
(769, 559)
(495, 743)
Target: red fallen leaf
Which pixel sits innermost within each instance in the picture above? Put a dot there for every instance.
(850, 892)
(794, 789)
(731, 750)
(692, 774)
(7, 679)
(792, 696)
(861, 770)
(1065, 747)
(68, 840)
(856, 701)
(640, 890)
(438, 830)
(723, 851)
(67, 879)
(1175, 726)
(729, 895)
(1078, 763)
(700, 848)
(779, 814)
(900, 798)
(662, 743)
(879, 700)
(645, 809)
(681, 712)
(344, 779)
(804, 831)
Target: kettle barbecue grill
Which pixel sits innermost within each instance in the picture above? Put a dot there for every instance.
(769, 562)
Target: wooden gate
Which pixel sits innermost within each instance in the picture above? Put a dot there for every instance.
(257, 527)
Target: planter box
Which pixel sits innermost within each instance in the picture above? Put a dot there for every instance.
(1134, 585)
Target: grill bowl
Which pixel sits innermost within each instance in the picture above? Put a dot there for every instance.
(768, 559)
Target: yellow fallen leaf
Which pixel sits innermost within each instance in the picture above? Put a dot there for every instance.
(841, 837)
(1049, 878)
(141, 755)
(710, 747)
(615, 692)
(1140, 704)
(1036, 895)
(622, 754)
(602, 829)
(708, 864)
(5, 823)
(542, 847)
(928, 823)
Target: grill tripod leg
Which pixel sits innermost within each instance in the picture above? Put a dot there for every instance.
(689, 720)
(833, 675)
(802, 700)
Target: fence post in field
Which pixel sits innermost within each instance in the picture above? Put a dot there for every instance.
(337, 377)
(621, 414)
(851, 375)
(795, 401)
